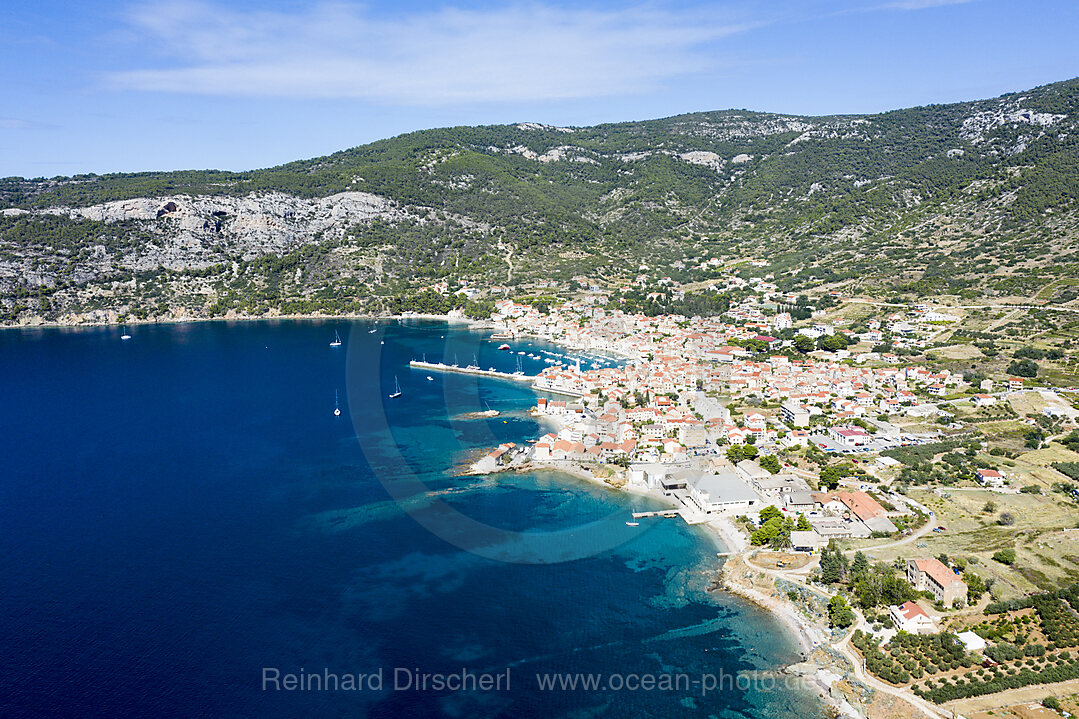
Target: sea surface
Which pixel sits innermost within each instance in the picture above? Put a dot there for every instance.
(182, 515)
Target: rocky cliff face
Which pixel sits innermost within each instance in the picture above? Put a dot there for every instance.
(942, 196)
(195, 231)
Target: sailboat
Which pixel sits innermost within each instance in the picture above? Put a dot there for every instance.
(397, 390)
(519, 370)
(125, 335)
(336, 340)
(336, 406)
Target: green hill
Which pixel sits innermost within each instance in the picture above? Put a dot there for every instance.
(977, 199)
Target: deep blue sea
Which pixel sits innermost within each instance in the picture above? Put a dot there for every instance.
(181, 513)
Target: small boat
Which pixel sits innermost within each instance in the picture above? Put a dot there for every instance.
(397, 390)
(521, 352)
(382, 342)
(336, 340)
(336, 407)
(633, 524)
(125, 335)
(430, 378)
(372, 330)
(503, 346)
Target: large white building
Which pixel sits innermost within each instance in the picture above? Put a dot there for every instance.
(728, 493)
(794, 414)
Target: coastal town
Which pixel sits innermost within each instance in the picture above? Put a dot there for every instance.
(851, 486)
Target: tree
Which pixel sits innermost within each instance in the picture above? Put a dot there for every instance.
(803, 344)
(1023, 368)
(893, 589)
(860, 565)
(770, 462)
(770, 512)
(833, 565)
(1006, 519)
(975, 586)
(776, 532)
(839, 612)
(829, 478)
(1005, 556)
(831, 343)
(868, 588)
(803, 524)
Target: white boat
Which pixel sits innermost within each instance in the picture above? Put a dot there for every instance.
(125, 335)
(336, 340)
(521, 352)
(633, 524)
(382, 342)
(503, 346)
(397, 390)
(430, 378)
(336, 407)
(372, 330)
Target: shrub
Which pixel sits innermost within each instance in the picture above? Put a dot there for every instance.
(1005, 556)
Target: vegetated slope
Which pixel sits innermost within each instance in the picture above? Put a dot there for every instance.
(975, 198)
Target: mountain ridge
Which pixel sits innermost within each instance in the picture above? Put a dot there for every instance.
(936, 195)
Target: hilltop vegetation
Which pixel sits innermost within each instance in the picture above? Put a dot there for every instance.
(975, 199)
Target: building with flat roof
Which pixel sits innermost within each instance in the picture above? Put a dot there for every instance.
(808, 541)
(727, 492)
(777, 485)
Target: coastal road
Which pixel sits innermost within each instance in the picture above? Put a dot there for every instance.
(843, 646)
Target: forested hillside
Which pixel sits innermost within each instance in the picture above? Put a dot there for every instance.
(975, 199)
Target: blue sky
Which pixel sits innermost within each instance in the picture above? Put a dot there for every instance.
(165, 84)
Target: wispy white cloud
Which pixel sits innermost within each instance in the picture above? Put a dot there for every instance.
(18, 123)
(517, 53)
(921, 4)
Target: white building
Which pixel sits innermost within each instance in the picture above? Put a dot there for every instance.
(912, 619)
(794, 414)
(727, 493)
(971, 641)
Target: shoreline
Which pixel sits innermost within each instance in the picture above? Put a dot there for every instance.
(479, 324)
(724, 535)
(720, 531)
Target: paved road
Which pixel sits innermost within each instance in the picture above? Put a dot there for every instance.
(843, 646)
(922, 531)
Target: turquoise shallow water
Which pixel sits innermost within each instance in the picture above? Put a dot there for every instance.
(182, 511)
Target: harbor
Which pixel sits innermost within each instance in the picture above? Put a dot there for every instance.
(442, 367)
(474, 370)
